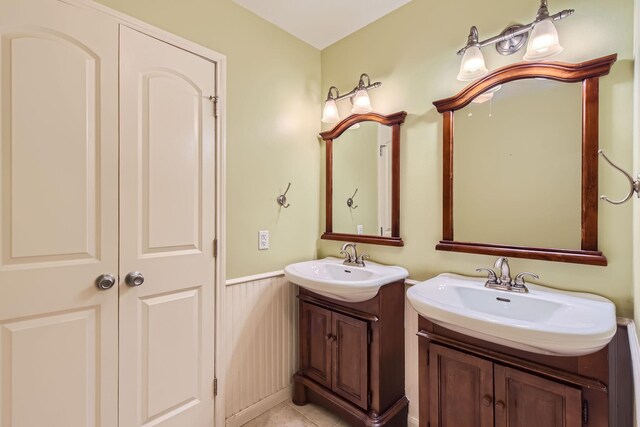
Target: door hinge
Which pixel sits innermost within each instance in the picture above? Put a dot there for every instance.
(215, 387)
(214, 99)
(369, 336)
(215, 248)
(369, 398)
(585, 412)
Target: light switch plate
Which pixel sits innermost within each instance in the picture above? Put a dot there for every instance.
(360, 229)
(263, 240)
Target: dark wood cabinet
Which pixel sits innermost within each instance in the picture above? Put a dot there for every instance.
(525, 400)
(316, 353)
(352, 357)
(462, 389)
(468, 382)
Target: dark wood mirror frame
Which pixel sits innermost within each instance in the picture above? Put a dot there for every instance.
(393, 120)
(588, 73)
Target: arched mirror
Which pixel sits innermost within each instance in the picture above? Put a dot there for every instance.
(520, 178)
(363, 179)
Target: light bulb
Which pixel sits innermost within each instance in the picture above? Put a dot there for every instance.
(330, 112)
(543, 42)
(472, 66)
(361, 102)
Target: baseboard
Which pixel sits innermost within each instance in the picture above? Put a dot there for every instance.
(259, 408)
(412, 422)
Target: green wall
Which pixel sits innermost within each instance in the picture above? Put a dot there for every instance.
(412, 51)
(273, 110)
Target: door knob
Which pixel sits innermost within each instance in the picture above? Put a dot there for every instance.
(133, 279)
(105, 281)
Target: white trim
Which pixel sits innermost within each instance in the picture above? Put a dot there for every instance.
(221, 92)
(413, 422)
(412, 282)
(260, 407)
(634, 346)
(150, 30)
(246, 279)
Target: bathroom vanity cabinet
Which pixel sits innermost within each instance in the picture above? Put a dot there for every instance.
(352, 357)
(466, 381)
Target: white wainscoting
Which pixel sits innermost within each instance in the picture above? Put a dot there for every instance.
(261, 332)
(411, 361)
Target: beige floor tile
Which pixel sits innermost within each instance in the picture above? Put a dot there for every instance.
(282, 415)
(319, 415)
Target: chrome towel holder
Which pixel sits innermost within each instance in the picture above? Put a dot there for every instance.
(634, 184)
(282, 199)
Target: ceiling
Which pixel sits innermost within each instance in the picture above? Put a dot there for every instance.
(321, 22)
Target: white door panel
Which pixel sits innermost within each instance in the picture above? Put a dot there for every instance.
(58, 215)
(166, 232)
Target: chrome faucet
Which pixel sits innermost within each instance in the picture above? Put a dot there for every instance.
(503, 265)
(351, 257)
(504, 282)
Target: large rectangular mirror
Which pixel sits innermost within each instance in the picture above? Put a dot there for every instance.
(522, 180)
(363, 179)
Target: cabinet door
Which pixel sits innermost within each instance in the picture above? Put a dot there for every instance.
(524, 400)
(461, 389)
(350, 357)
(315, 343)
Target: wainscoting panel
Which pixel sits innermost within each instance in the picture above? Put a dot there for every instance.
(411, 361)
(261, 331)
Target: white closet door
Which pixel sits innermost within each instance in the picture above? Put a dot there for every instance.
(58, 215)
(167, 222)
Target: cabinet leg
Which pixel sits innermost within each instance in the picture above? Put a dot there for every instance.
(299, 394)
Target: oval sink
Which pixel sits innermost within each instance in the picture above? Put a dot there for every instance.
(331, 278)
(545, 320)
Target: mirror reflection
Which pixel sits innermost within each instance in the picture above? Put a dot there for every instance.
(517, 160)
(362, 180)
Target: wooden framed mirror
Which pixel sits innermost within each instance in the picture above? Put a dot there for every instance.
(363, 179)
(526, 163)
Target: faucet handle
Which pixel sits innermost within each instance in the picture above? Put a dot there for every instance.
(347, 255)
(519, 280)
(493, 279)
(361, 258)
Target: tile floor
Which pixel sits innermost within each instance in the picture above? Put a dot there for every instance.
(287, 414)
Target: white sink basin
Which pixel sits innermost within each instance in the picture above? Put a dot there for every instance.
(331, 278)
(545, 320)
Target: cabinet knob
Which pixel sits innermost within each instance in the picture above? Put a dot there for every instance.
(500, 405)
(330, 337)
(487, 400)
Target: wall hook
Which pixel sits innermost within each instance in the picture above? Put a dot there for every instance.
(634, 184)
(282, 199)
(350, 201)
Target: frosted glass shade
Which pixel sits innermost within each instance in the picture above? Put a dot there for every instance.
(361, 102)
(472, 66)
(330, 112)
(482, 98)
(543, 42)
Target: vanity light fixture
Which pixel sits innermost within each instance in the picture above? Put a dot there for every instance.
(542, 36)
(359, 98)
